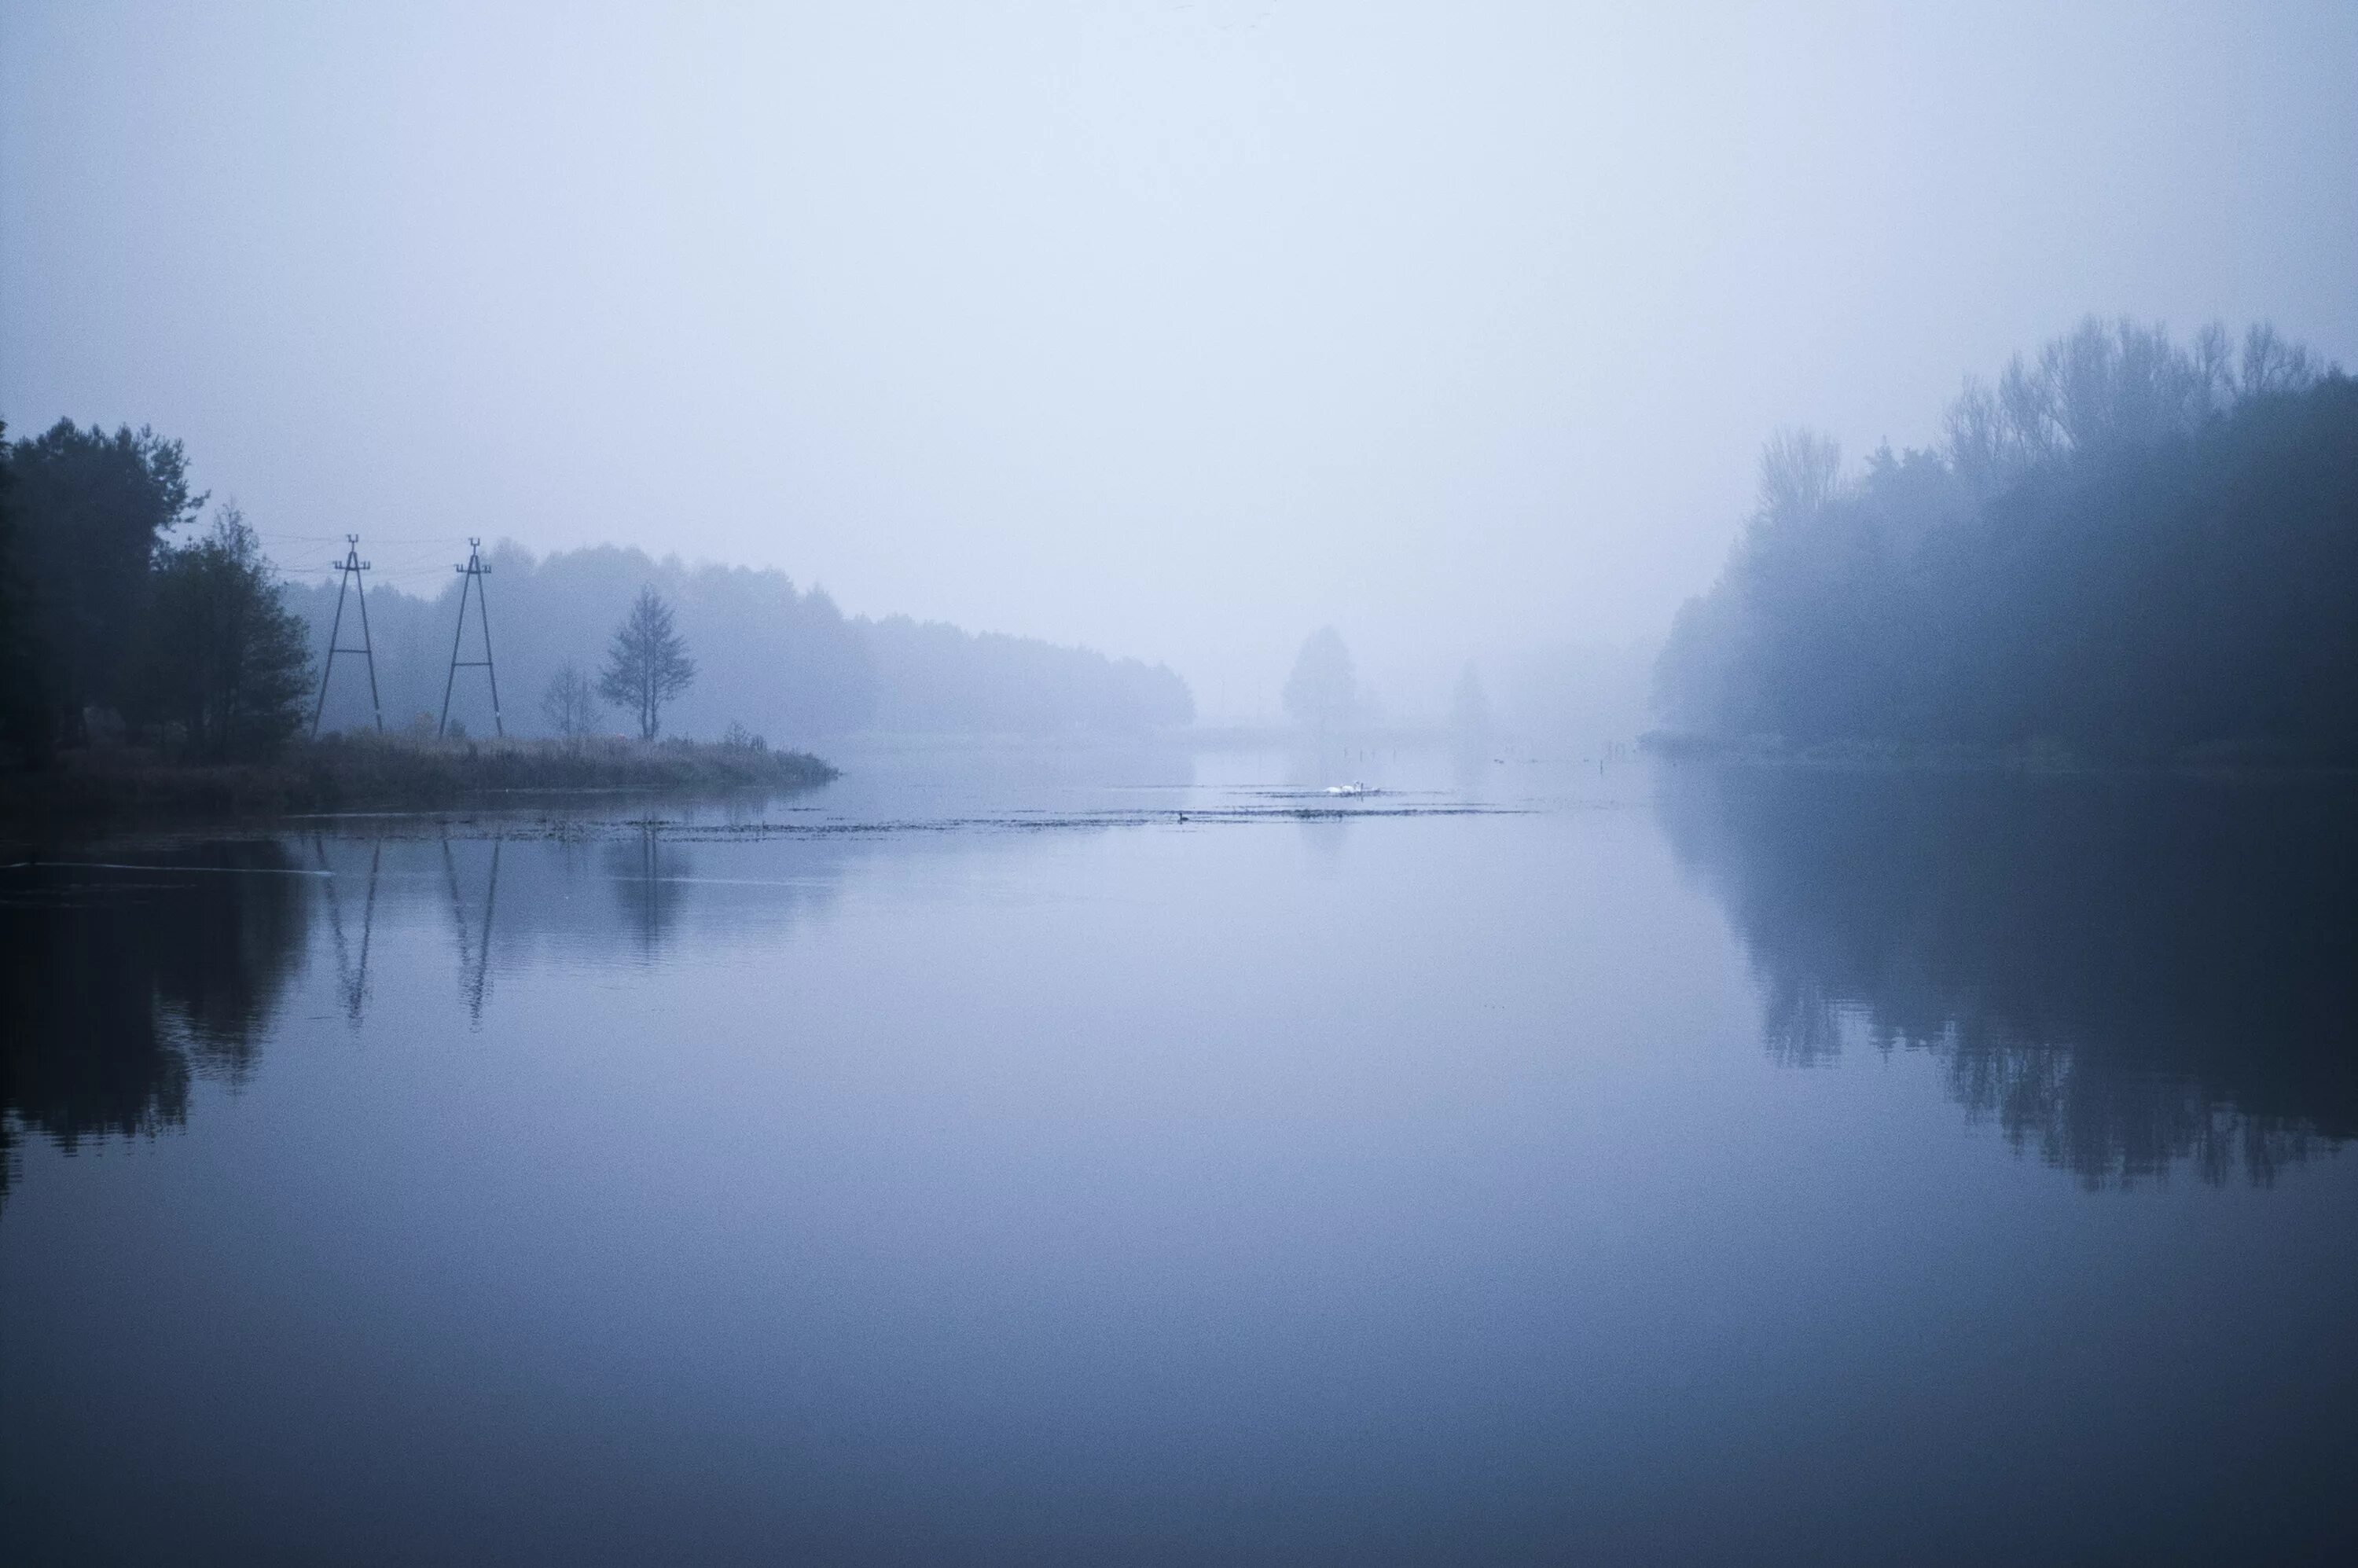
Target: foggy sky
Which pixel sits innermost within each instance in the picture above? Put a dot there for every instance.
(1177, 328)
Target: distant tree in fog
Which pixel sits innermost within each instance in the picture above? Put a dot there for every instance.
(569, 702)
(1323, 692)
(1469, 706)
(647, 665)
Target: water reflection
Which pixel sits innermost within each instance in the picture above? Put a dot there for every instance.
(129, 971)
(123, 980)
(2127, 974)
(472, 928)
(650, 880)
(351, 956)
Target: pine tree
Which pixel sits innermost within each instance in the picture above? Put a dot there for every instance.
(218, 655)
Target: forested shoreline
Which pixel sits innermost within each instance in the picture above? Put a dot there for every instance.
(152, 652)
(2125, 551)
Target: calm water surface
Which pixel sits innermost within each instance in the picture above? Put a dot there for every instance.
(1137, 1156)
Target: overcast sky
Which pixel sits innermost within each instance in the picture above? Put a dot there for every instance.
(1174, 329)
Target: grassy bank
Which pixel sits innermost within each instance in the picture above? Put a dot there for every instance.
(389, 773)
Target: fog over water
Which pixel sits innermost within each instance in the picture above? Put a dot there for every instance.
(1130, 1155)
(1240, 781)
(1176, 329)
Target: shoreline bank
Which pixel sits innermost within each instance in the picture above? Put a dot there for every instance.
(104, 786)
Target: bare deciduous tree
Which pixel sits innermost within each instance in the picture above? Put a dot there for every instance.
(571, 703)
(2107, 386)
(2271, 364)
(1801, 470)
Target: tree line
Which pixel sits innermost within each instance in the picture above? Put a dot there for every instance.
(104, 612)
(2127, 548)
(107, 616)
(768, 655)
(121, 604)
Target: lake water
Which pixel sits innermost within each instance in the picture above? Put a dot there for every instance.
(1141, 1156)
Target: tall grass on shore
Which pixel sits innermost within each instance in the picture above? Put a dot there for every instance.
(397, 771)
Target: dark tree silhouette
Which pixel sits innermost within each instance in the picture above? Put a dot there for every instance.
(90, 510)
(217, 656)
(2127, 551)
(647, 664)
(27, 716)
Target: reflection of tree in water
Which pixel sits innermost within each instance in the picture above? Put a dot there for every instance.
(1311, 768)
(118, 986)
(2128, 973)
(2111, 1123)
(647, 876)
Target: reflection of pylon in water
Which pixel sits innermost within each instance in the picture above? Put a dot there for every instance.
(351, 978)
(474, 968)
(349, 568)
(473, 572)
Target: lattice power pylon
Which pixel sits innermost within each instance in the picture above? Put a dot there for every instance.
(474, 571)
(351, 567)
